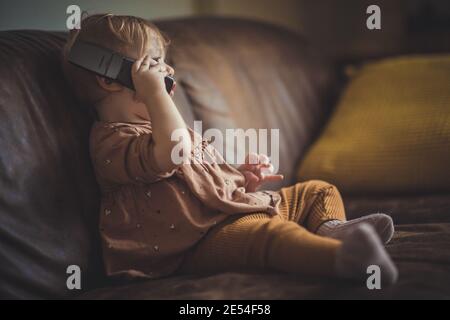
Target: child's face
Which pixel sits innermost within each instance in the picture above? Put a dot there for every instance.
(126, 98)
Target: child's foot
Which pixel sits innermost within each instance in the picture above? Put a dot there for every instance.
(360, 249)
(383, 225)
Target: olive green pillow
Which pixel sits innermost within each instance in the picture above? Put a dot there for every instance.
(390, 132)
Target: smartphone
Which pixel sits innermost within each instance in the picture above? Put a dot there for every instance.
(125, 78)
(107, 63)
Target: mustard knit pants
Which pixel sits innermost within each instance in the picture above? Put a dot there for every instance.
(285, 242)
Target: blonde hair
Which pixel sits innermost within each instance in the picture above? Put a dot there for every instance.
(122, 34)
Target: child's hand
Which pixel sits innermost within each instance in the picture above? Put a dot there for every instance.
(258, 170)
(148, 78)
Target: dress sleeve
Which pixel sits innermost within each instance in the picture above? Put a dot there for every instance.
(121, 156)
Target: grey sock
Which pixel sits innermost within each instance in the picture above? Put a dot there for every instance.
(360, 249)
(382, 223)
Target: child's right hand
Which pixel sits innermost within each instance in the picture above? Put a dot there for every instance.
(148, 78)
(258, 170)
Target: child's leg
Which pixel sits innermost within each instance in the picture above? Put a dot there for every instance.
(318, 206)
(259, 242)
(312, 203)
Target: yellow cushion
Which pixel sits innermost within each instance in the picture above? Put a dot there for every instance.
(390, 132)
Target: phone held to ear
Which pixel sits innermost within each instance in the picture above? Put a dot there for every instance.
(108, 64)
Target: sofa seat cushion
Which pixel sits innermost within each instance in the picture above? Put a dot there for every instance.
(421, 253)
(390, 132)
(403, 209)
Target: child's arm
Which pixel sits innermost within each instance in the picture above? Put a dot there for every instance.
(121, 157)
(148, 77)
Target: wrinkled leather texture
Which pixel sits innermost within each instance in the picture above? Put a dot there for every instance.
(421, 252)
(49, 197)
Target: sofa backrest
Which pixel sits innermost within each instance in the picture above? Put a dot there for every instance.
(243, 74)
(48, 194)
(231, 73)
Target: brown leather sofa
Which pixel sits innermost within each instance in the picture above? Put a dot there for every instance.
(231, 73)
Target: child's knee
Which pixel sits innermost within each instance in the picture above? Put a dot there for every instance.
(324, 197)
(320, 187)
(319, 184)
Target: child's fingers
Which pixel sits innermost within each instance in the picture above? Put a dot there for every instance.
(257, 169)
(247, 167)
(250, 163)
(137, 65)
(273, 177)
(170, 70)
(145, 65)
(265, 170)
(252, 159)
(258, 164)
(250, 176)
(251, 181)
(264, 159)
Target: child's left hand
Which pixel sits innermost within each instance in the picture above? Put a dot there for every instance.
(258, 170)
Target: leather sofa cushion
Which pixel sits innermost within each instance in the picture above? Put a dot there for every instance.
(390, 133)
(420, 251)
(48, 195)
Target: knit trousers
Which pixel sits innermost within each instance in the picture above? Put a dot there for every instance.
(285, 242)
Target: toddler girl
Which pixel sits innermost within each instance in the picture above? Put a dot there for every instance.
(158, 218)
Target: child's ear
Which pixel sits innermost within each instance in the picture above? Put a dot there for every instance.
(108, 84)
